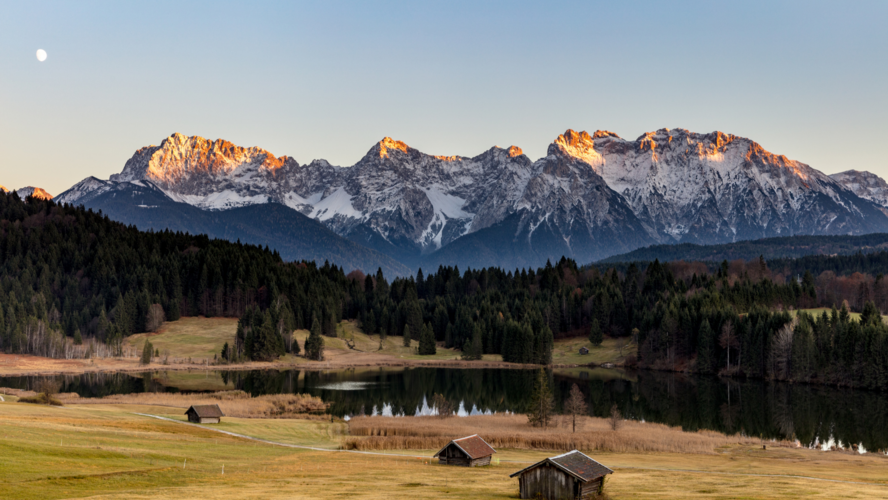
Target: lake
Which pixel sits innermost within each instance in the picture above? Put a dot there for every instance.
(811, 414)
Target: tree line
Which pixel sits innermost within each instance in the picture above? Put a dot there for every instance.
(73, 276)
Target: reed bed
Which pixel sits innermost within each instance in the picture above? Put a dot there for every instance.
(513, 431)
(232, 403)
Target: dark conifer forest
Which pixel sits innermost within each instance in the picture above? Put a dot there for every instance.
(72, 276)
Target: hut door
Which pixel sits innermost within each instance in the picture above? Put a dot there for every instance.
(577, 489)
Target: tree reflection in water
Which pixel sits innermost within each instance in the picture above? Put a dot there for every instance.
(752, 407)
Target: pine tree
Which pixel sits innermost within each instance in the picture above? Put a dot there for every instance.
(406, 336)
(542, 404)
(596, 337)
(147, 353)
(474, 348)
(705, 343)
(314, 344)
(78, 338)
(427, 341)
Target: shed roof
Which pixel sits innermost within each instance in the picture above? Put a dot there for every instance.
(576, 464)
(206, 411)
(473, 446)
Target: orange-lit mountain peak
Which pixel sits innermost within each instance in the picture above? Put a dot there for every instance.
(572, 138)
(387, 143)
(602, 134)
(36, 192)
(515, 151)
(3, 188)
(447, 158)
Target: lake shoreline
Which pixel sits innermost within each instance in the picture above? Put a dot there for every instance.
(24, 365)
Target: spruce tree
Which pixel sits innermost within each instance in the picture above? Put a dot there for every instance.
(406, 336)
(542, 404)
(474, 347)
(147, 353)
(314, 344)
(78, 338)
(427, 341)
(705, 343)
(596, 337)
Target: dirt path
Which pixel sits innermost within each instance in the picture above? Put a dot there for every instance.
(663, 469)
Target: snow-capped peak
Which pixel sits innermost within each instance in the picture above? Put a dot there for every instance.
(592, 193)
(36, 192)
(867, 185)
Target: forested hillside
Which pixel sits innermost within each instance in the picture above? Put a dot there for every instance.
(785, 247)
(69, 275)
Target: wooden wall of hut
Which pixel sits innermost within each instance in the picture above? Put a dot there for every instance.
(548, 482)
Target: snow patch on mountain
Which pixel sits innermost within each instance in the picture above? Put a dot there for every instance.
(866, 185)
(591, 194)
(339, 202)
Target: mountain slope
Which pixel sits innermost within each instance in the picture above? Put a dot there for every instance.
(770, 248)
(711, 188)
(866, 185)
(591, 196)
(293, 235)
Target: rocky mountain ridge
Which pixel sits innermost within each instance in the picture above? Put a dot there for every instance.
(32, 191)
(866, 185)
(591, 196)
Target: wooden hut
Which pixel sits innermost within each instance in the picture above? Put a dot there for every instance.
(469, 451)
(572, 475)
(584, 350)
(204, 414)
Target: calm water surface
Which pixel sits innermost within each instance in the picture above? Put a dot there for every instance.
(811, 414)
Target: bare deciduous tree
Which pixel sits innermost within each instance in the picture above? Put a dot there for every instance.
(780, 355)
(575, 405)
(155, 318)
(442, 405)
(728, 340)
(615, 419)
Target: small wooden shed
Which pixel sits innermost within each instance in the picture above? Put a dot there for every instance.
(204, 414)
(571, 475)
(584, 350)
(471, 451)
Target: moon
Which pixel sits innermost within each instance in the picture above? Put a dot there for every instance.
(41, 55)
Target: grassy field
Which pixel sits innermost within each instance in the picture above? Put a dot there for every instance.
(196, 338)
(567, 351)
(202, 338)
(820, 310)
(348, 331)
(107, 452)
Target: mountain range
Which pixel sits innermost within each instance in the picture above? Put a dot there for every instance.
(590, 197)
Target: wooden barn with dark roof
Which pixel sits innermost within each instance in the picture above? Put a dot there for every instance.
(571, 475)
(471, 451)
(204, 414)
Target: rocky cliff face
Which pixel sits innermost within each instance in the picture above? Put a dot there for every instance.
(866, 185)
(591, 196)
(711, 188)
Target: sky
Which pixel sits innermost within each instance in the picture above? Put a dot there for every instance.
(328, 79)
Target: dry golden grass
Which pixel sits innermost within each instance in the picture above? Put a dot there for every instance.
(513, 431)
(232, 403)
(104, 451)
(196, 338)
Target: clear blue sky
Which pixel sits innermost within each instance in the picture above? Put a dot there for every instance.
(327, 79)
